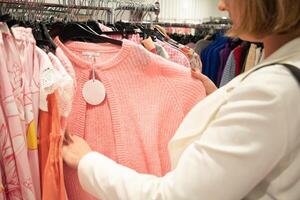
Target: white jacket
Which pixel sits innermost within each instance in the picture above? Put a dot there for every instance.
(241, 142)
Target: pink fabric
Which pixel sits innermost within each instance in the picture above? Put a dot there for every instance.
(134, 37)
(175, 54)
(130, 126)
(104, 28)
(25, 44)
(2, 177)
(7, 162)
(66, 89)
(17, 168)
(193, 57)
(66, 63)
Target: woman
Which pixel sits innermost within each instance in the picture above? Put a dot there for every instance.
(242, 141)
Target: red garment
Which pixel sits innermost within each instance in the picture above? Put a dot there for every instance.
(50, 150)
(238, 59)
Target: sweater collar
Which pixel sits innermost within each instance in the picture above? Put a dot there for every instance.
(122, 52)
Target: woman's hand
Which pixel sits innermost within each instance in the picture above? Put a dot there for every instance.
(210, 87)
(74, 149)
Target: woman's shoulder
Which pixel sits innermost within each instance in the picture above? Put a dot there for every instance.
(274, 78)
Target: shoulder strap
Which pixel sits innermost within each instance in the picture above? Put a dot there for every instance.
(294, 70)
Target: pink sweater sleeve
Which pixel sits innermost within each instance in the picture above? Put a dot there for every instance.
(187, 91)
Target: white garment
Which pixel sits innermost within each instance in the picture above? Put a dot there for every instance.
(66, 87)
(258, 55)
(161, 51)
(50, 78)
(53, 76)
(242, 141)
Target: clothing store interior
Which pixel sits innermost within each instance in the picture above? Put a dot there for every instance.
(121, 74)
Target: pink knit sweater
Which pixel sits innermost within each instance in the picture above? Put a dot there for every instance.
(147, 97)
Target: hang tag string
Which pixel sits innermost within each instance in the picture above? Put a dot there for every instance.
(93, 68)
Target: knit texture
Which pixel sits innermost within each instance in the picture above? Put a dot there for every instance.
(147, 97)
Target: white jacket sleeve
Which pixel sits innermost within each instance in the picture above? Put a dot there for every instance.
(243, 143)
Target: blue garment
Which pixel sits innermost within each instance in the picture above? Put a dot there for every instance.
(214, 59)
(204, 54)
(210, 57)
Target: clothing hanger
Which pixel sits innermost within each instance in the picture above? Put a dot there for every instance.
(122, 28)
(81, 31)
(47, 36)
(94, 25)
(75, 31)
(5, 17)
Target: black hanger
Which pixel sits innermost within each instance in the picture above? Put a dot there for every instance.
(37, 33)
(55, 28)
(47, 36)
(5, 18)
(39, 37)
(9, 20)
(118, 30)
(95, 26)
(75, 31)
(87, 27)
(112, 26)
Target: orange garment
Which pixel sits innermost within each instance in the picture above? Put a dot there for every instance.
(51, 138)
(44, 141)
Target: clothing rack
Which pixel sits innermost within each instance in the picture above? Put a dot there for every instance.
(195, 26)
(148, 8)
(216, 20)
(111, 9)
(41, 5)
(41, 8)
(138, 11)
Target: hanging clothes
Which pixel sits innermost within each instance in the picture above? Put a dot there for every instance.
(211, 57)
(244, 55)
(2, 189)
(158, 47)
(7, 163)
(56, 91)
(224, 54)
(53, 179)
(229, 70)
(149, 45)
(238, 59)
(250, 62)
(225, 58)
(20, 182)
(161, 51)
(50, 80)
(28, 76)
(201, 45)
(25, 45)
(258, 55)
(142, 90)
(175, 54)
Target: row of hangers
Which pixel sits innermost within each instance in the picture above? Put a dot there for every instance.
(68, 26)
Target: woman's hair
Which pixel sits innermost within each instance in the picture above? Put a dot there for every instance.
(264, 17)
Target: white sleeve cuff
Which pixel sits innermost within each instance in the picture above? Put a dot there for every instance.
(92, 170)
